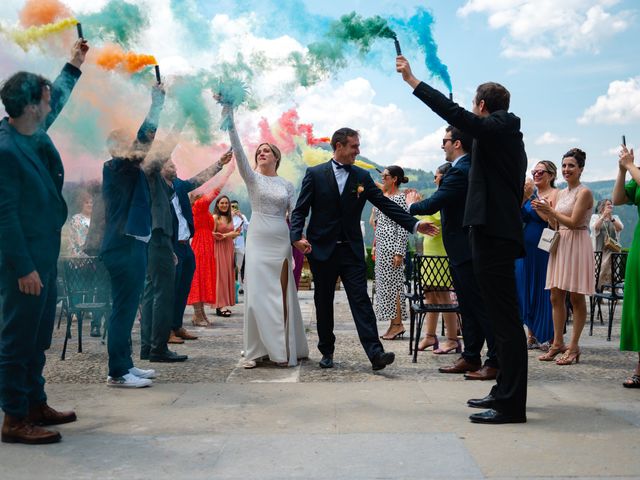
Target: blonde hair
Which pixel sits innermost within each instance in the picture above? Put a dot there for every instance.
(276, 153)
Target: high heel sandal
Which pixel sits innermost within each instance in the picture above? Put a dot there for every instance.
(552, 353)
(569, 357)
(394, 336)
(423, 346)
(443, 351)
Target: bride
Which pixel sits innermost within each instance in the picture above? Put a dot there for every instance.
(272, 318)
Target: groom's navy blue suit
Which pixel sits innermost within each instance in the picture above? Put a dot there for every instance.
(337, 247)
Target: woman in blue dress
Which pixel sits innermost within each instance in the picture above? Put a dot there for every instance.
(531, 271)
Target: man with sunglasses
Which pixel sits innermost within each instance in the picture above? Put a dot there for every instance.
(492, 213)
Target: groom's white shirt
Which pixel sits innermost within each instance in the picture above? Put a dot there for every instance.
(341, 176)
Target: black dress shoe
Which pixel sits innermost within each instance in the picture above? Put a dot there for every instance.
(326, 362)
(486, 402)
(167, 357)
(382, 360)
(495, 417)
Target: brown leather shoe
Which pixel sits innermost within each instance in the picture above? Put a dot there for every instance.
(19, 430)
(183, 334)
(43, 414)
(174, 339)
(485, 373)
(460, 366)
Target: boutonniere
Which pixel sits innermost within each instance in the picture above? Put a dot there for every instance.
(358, 190)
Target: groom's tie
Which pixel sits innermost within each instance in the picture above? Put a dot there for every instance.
(347, 168)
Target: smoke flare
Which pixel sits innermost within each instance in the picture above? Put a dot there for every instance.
(25, 38)
(113, 56)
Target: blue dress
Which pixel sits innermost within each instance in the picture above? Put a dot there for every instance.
(531, 275)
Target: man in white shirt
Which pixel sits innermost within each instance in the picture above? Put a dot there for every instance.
(239, 221)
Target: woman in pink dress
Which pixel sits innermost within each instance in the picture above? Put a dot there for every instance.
(571, 266)
(224, 234)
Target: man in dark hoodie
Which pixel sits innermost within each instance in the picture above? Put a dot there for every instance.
(492, 213)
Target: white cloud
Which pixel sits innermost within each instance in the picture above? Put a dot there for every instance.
(620, 105)
(539, 29)
(548, 138)
(388, 135)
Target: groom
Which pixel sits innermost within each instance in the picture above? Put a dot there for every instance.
(336, 192)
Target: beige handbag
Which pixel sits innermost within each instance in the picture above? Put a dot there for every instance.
(610, 244)
(549, 240)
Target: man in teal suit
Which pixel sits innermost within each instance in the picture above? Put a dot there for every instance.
(32, 213)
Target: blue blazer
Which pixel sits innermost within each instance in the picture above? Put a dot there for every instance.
(32, 210)
(449, 199)
(334, 214)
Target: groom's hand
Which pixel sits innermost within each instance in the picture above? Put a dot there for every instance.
(427, 228)
(303, 245)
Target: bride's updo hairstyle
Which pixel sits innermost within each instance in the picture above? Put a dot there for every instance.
(276, 153)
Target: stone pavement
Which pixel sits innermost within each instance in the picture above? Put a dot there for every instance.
(209, 418)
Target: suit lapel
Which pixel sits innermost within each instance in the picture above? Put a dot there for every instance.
(348, 187)
(331, 178)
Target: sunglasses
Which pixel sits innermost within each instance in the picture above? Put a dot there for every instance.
(445, 140)
(535, 173)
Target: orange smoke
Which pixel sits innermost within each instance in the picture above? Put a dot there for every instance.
(42, 12)
(112, 56)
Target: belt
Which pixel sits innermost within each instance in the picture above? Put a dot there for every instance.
(184, 242)
(342, 242)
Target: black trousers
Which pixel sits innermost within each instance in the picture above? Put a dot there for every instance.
(184, 275)
(159, 294)
(26, 328)
(344, 263)
(494, 266)
(476, 326)
(127, 266)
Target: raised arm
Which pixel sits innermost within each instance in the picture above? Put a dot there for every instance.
(63, 85)
(246, 172)
(625, 164)
(584, 202)
(211, 171)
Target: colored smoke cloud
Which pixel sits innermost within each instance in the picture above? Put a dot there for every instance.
(32, 35)
(119, 21)
(113, 56)
(42, 12)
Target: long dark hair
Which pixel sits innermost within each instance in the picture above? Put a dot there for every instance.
(220, 213)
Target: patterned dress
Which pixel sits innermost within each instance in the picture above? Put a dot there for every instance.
(391, 239)
(571, 266)
(630, 326)
(78, 230)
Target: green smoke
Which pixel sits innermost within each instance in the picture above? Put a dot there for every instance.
(186, 12)
(118, 21)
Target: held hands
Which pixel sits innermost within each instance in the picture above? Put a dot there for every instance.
(226, 158)
(398, 260)
(218, 235)
(626, 158)
(427, 228)
(30, 284)
(79, 52)
(157, 94)
(543, 206)
(403, 67)
(303, 245)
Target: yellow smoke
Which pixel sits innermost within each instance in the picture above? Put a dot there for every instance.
(316, 156)
(26, 38)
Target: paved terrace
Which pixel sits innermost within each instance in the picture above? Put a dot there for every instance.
(209, 418)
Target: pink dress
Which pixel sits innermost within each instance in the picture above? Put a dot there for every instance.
(571, 266)
(225, 278)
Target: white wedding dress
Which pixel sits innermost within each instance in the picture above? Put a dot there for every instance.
(270, 328)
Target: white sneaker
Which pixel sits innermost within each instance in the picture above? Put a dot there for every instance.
(140, 373)
(128, 381)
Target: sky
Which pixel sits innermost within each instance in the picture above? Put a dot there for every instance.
(572, 67)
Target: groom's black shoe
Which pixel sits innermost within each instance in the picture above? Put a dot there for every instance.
(327, 361)
(486, 402)
(495, 417)
(382, 359)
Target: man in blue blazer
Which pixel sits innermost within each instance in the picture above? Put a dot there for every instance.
(449, 199)
(492, 211)
(336, 192)
(127, 208)
(32, 213)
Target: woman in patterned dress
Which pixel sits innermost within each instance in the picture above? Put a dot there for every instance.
(391, 247)
(571, 266)
(630, 323)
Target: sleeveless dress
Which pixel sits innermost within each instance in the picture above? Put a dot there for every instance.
(630, 324)
(571, 266)
(531, 275)
(391, 239)
(434, 246)
(225, 277)
(203, 286)
(271, 328)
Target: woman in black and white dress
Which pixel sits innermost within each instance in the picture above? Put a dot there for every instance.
(391, 247)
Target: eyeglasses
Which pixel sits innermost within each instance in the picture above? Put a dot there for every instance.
(445, 140)
(535, 173)
(385, 175)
